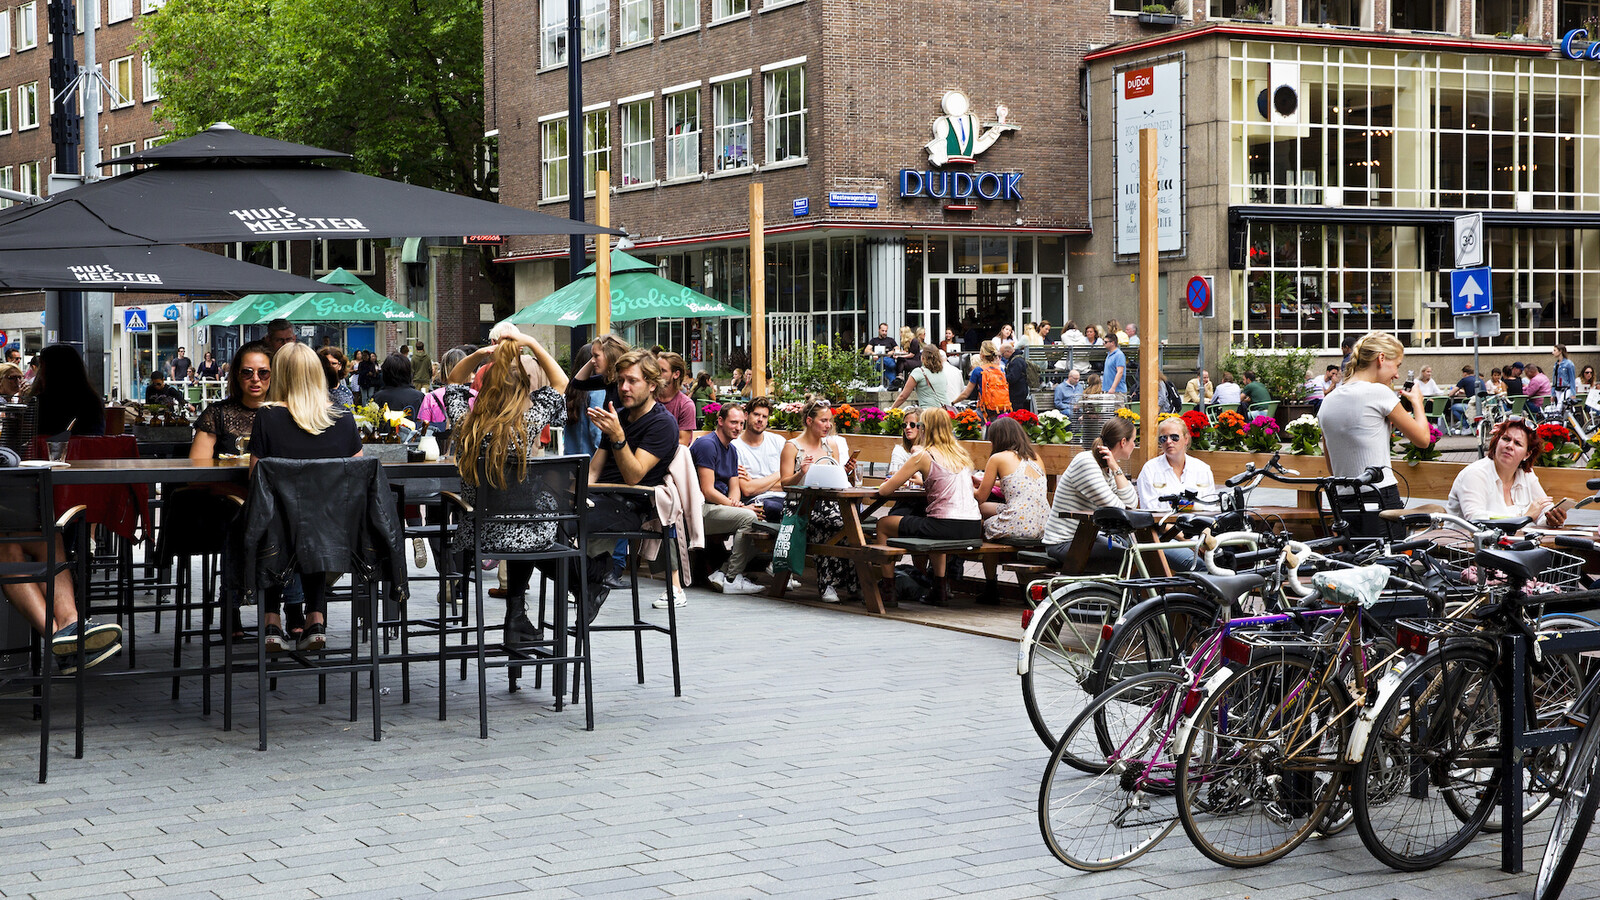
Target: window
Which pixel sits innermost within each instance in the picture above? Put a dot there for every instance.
(730, 104)
(5, 32)
(596, 27)
(28, 106)
(488, 175)
(150, 6)
(683, 134)
(152, 79)
(1419, 15)
(723, 9)
(1245, 10)
(354, 256)
(638, 142)
(154, 142)
(28, 25)
(553, 47)
(5, 111)
(1578, 14)
(121, 150)
(635, 23)
(5, 183)
(596, 146)
(1129, 6)
(122, 82)
(1345, 13)
(28, 178)
(682, 15)
(785, 96)
(117, 10)
(1503, 17)
(272, 254)
(553, 158)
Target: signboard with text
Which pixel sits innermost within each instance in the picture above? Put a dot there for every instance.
(1149, 97)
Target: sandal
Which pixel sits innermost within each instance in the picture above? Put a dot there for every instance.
(276, 641)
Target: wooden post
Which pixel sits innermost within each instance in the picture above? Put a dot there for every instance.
(602, 254)
(1149, 281)
(758, 290)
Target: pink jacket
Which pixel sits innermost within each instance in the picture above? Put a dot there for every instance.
(679, 501)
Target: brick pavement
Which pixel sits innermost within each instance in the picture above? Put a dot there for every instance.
(812, 755)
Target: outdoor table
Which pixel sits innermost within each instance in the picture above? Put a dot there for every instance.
(207, 471)
(851, 541)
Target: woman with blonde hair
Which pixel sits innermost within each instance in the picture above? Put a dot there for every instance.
(946, 470)
(1357, 421)
(1031, 336)
(987, 383)
(816, 445)
(1114, 329)
(298, 422)
(501, 427)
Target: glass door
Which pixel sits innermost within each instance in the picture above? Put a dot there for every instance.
(994, 302)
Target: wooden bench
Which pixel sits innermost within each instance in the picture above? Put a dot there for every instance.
(992, 554)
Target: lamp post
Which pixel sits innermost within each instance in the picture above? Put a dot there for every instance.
(575, 160)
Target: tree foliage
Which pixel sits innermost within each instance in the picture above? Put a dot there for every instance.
(396, 83)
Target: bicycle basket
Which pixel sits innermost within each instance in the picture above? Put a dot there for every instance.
(1565, 571)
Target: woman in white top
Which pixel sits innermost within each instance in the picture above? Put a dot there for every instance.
(934, 383)
(816, 442)
(1072, 336)
(1426, 386)
(1007, 335)
(1358, 418)
(908, 443)
(1502, 485)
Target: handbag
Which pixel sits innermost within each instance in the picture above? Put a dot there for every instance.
(789, 553)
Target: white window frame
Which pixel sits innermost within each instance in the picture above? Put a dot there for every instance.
(779, 121)
(636, 12)
(553, 165)
(28, 177)
(118, 151)
(5, 111)
(117, 11)
(28, 106)
(552, 33)
(723, 10)
(279, 249)
(638, 167)
(151, 143)
(685, 12)
(596, 27)
(725, 131)
(28, 25)
(683, 148)
(5, 32)
(147, 7)
(151, 79)
(596, 127)
(364, 257)
(6, 183)
(120, 74)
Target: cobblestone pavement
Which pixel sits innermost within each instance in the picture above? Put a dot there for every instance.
(812, 755)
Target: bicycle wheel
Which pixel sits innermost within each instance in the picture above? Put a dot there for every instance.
(1152, 637)
(1103, 819)
(1574, 816)
(1260, 768)
(1055, 685)
(1552, 683)
(1433, 752)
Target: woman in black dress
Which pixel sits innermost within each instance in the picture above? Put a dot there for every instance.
(63, 394)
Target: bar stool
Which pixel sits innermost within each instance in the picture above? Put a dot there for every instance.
(639, 626)
(451, 618)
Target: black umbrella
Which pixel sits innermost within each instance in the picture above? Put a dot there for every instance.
(158, 268)
(224, 185)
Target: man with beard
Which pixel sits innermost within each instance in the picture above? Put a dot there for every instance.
(727, 510)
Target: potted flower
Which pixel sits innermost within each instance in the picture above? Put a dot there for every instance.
(894, 422)
(1412, 454)
(845, 418)
(871, 420)
(968, 425)
(708, 415)
(1556, 447)
(1230, 430)
(1199, 429)
(1158, 14)
(1262, 435)
(787, 416)
(1305, 436)
(1128, 414)
(1053, 428)
(1029, 423)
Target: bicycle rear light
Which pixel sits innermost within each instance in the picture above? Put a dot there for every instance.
(1036, 592)
(1410, 640)
(1027, 617)
(1236, 650)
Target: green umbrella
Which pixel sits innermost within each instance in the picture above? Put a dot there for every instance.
(637, 292)
(247, 310)
(361, 304)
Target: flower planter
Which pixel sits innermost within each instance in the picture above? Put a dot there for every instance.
(1160, 20)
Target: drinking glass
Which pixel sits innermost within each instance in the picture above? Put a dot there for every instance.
(58, 451)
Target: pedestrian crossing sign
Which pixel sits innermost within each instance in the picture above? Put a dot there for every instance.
(135, 319)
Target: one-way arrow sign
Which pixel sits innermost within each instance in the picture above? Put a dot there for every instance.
(1471, 291)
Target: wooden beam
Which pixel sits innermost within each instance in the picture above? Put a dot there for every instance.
(1149, 280)
(758, 291)
(602, 254)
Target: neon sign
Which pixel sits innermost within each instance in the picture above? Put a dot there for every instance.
(1592, 51)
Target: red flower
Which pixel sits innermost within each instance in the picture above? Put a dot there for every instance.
(1024, 417)
(1549, 448)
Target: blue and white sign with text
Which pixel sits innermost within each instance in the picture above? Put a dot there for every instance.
(802, 206)
(135, 319)
(1470, 291)
(853, 199)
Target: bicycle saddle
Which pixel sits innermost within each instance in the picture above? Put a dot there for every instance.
(1508, 526)
(1191, 525)
(1226, 588)
(1520, 565)
(1112, 520)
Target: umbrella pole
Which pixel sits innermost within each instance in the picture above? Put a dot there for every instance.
(758, 290)
(602, 254)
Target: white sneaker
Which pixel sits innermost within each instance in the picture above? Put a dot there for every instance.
(794, 583)
(419, 552)
(740, 585)
(717, 580)
(679, 600)
(830, 596)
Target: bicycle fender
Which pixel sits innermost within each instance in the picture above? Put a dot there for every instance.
(1180, 735)
(1368, 717)
(1040, 614)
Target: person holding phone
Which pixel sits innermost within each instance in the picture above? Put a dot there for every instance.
(953, 515)
(1093, 480)
(1357, 420)
(814, 444)
(1502, 485)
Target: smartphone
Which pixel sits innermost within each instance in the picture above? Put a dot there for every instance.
(1409, 385)
(855, 455)
(1565, 504)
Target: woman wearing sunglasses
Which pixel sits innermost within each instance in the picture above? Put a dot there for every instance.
(221, 426)
(1502, 485)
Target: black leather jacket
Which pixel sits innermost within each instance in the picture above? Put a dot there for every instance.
(321, 515)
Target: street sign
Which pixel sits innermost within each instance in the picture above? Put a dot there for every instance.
(135, 319)
(802, 206)
(1470, 291)
(1480, 326)
(1469, 241)
(5, 339)
(199, 311)
(1199, 296)
(171, 313)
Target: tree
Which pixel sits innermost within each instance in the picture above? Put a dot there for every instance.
(398, 84)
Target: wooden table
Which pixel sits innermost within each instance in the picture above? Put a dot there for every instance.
(851, 541)
(207, 471)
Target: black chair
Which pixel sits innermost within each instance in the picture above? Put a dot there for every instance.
(363, 489)
(408, 623)
(196, 524)
(552, 492)
(668, 536)
(27, 504)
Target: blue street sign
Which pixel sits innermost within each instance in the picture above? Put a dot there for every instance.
(199, 311)
(802, 206)
(853, 199)
(1470, 291)
(171, 313)
(135, 319)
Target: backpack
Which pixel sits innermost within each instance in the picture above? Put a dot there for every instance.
(996, 394)
(1034, 380)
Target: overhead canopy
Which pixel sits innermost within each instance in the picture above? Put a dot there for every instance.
(214, 188)
(247, 310)
(637, 292)
(360, 304)
(224, 143)
(156, 268)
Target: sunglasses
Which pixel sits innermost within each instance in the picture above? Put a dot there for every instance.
(1168, 438)
(912, 425)
(259, 374)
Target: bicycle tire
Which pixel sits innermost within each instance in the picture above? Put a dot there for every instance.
(1553, 683)
(1241, 799)
(1574, 818)
(1061, 658)
(1433, 753)
(1083, 816)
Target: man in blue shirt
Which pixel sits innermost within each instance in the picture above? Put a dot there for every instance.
(1068, 393)
(1115, 378)
(716, 461)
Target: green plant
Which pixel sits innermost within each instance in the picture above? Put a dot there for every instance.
(1283, 372)
(1156, 8)
(820, 369)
